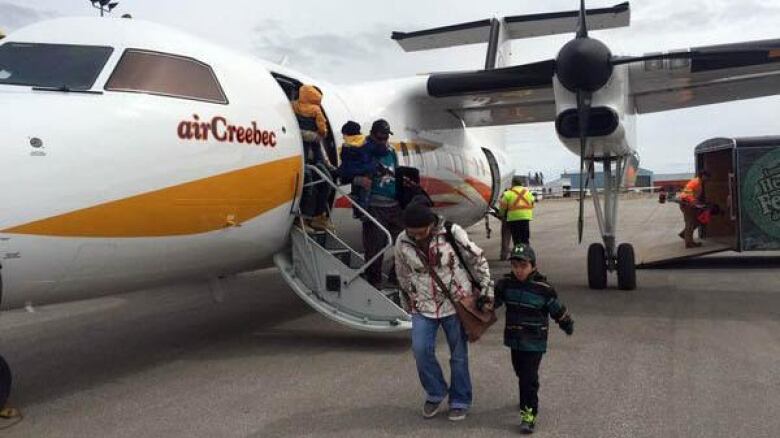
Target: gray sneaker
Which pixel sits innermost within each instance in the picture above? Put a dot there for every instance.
(457, 414)
(430, 409)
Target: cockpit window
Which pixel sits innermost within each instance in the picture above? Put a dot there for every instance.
(167, 75)
(52, 65)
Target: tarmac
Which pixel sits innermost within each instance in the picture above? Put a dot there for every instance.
(693, 352)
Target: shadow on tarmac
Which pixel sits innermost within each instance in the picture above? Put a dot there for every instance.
(392, 419)
(719, 262)
(151, 328)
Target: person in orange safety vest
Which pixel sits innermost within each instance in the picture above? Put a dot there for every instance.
(690, 195)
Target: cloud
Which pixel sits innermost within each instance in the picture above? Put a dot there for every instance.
(345, 56)
(695, 14)
(13, 16)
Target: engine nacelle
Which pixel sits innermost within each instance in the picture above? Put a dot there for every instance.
(611, 127)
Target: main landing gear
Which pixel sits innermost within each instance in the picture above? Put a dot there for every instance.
(599, 262)
(603, 258)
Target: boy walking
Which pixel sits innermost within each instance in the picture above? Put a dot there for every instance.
(530, 302)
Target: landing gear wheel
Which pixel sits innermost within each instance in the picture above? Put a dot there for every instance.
(597, 266)
(626, 269)
(5, 382)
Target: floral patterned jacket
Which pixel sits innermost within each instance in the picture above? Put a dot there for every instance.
(419, 291)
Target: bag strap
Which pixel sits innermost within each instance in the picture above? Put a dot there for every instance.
(456, 247)
(433, 274)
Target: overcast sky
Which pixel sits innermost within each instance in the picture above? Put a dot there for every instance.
(348, 40)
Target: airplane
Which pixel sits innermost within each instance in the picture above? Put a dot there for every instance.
(137, 155)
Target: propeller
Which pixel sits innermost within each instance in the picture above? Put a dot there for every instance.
(582, 25)
(583, 112)
(583, 66)
(584, 99)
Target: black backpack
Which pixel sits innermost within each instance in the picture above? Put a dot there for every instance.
(407, 187)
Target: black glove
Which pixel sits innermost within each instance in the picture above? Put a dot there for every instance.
(567, 325)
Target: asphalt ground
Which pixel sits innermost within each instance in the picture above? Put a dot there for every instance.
(693, 352)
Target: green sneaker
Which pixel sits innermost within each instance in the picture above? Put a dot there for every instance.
(528, 421)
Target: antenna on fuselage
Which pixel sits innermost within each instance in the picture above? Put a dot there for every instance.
(104, 5)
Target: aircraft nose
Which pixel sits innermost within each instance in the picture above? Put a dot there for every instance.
(31, 130)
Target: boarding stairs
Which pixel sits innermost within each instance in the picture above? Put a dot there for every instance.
(326, 273)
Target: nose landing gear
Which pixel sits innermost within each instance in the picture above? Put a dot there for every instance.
(599, 263)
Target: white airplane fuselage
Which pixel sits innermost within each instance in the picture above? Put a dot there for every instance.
(108, 191)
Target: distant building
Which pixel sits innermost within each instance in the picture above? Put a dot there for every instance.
(559, 188)
(671, 182)
(640, 178)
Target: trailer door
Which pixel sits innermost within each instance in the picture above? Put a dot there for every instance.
(718, 190)
(759, 197)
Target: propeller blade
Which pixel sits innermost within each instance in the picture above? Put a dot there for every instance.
(582, 27)
(583, 114)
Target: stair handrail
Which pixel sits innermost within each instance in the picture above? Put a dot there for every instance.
(324, 178)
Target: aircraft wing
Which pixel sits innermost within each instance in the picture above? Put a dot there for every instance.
(657, 82)
(517, 27)
(706, 75)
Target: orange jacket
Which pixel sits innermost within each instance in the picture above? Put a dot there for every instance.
(692, 191)
(308, 105)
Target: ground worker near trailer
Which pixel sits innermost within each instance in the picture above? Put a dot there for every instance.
(690, 195)
(516, 207)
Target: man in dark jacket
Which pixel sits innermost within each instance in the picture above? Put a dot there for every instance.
(383, 204)
(530, 301)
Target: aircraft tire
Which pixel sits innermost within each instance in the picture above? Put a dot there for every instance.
(597, 266)
(5, 382)
(626, 267)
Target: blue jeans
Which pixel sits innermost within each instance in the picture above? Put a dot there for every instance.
(424, 347)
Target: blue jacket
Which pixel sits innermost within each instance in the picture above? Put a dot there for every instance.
(355, 158)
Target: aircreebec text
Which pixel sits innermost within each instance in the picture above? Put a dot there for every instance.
(219, 129)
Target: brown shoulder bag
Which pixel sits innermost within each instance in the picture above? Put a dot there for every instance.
(475, 320)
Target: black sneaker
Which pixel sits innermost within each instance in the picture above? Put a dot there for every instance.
(457, 414)
(430, 409)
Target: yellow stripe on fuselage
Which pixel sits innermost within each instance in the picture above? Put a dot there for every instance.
(194, 207)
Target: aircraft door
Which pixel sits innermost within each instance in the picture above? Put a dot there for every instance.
(718, 190)
(495, 177)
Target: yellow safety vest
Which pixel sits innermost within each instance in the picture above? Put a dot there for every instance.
(517, 204)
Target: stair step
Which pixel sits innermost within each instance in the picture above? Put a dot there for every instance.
(393, 294)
